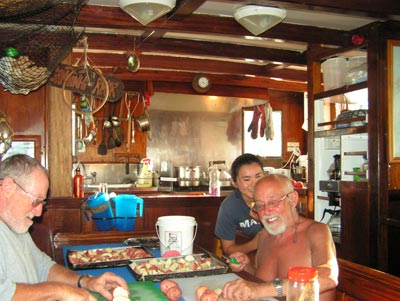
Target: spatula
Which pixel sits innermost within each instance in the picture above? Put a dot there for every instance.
(111, 141)
(102, 149)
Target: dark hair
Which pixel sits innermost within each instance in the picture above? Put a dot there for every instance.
(245, 159)
(19, 166)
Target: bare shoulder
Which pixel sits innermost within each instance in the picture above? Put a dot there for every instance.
(315, 228)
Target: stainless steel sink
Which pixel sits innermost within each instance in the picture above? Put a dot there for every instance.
(104, 187)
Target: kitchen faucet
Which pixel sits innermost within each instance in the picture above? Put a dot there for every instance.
(85, 176)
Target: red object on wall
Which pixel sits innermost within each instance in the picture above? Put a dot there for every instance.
(357, 40)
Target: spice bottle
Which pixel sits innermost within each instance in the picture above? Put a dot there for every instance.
(303, 284)
(214, 184)
(79, 191)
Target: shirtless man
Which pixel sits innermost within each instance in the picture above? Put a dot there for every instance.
(288, 240)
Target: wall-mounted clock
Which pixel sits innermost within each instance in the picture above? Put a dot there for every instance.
(201, 83)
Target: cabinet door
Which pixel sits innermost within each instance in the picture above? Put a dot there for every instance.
(355, 233)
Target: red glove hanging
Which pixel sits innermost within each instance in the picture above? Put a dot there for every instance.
(253, 128)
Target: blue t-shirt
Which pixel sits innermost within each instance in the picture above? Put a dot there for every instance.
(234, 215)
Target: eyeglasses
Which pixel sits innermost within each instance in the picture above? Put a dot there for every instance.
(270, 204)
(35, 201)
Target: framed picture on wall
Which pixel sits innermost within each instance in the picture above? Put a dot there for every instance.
(25, 144)
(394, 99)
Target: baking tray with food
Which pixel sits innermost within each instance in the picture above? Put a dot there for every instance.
(151, 242)
(157, 269)
(105, 257)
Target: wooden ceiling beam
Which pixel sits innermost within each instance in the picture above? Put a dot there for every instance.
(115, 18)
(374, 8)
(222, 82)
(188, 47)
(154, 62)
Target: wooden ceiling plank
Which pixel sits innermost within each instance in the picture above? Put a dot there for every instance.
(191, 65)
(187, 47)
(115, 18)
(374, 8)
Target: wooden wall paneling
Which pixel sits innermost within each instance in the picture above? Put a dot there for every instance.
(60, 144)
(359, 282)
(26, 115)
(394, 175)
(355, 221)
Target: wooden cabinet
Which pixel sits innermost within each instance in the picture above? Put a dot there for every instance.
(348, 137)
(355, 208)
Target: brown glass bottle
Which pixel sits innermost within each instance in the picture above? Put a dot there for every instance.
(79, 191)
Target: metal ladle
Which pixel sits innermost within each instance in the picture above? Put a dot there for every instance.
(115, 121)
(107, 124)
(117, 130)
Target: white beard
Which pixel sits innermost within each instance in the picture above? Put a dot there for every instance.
(277, 227)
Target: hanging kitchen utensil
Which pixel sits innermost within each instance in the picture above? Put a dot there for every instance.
(130, 118)
(111, 141)
(120, 130)
(102, 149)
(133, 63)
(133, 60)
(143, 121)
(116, 128)
(97, 128)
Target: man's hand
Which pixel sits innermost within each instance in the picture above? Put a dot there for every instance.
(242, 261)
(239, 290)
(105, 283)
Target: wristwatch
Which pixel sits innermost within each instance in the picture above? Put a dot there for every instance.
(278, 284)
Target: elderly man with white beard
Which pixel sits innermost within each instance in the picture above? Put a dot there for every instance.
(26, 273)
(287, 240)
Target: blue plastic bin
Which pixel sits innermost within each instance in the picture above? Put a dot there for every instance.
(100, 207)
(126, 210)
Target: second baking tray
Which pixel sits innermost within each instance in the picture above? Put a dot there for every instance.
(158, 269)
(105, 257)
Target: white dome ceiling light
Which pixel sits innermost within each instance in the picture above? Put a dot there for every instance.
(258, 19)
(146, 11)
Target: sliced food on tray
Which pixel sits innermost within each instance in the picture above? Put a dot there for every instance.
(157, 269)
(106, 257)
(146, 242)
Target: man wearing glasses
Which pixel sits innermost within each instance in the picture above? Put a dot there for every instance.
(26, 273)
(287, 240)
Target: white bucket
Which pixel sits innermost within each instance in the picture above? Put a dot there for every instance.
(176, 232)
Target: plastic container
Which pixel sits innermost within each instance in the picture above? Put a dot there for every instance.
(126, 209)
(214, 187)
(334, 72)
(303, 284)
(100, 207)
(176, 233)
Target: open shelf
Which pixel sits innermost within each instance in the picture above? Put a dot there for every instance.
(360, 153)
(341, 131)
(341, 90)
